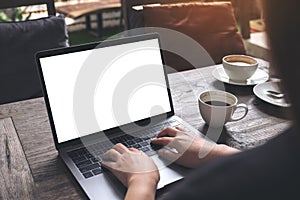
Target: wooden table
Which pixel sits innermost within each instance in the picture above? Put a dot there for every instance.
(31, 169)
(88, 8)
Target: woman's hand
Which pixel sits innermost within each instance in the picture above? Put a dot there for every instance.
(190, 150)
(134, 169)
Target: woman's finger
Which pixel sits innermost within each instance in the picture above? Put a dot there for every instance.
(111, 155)
(108, 165)
(120, 148)
(133, 149)
(169, 131)
(179, 128)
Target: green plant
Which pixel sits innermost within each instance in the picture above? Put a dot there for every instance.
(15, 15)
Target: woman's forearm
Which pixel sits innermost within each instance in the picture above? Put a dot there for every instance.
(141, 189)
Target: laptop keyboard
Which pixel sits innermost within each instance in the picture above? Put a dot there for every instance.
(88, 159)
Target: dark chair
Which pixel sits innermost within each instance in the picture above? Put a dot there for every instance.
(212, 25)
(18, 3)
(245, 10)
(134, 18)
(19, 41)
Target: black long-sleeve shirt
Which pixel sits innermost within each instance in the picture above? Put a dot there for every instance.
(271, 171)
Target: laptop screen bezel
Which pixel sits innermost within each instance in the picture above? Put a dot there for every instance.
(90, 46)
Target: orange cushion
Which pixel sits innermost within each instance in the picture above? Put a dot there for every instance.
(212, 25)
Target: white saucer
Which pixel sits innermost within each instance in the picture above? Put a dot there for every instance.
(259, 76)
(260, 91)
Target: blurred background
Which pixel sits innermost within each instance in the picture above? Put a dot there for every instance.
(112, 19)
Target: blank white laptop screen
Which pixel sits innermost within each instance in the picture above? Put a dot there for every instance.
(60, 74)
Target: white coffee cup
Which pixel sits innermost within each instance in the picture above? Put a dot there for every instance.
(239, 67)
(217, 107)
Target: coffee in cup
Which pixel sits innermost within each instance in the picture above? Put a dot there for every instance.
(239, 67)
(217, 107)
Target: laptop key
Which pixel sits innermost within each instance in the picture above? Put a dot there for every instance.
(152, 135)
(97, 171)
(89, 167)
(87, 174)
(100, 152)
(84, 163)
(89, 156)
(137, 146)
(145, 149)
(82, 153)
(79, 159)
(156, 146)
(114, 140)
(144, 143)
(125, 144)
(137, 140)
(94, 160)
(130, 142)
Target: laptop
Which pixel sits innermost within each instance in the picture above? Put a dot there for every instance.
(100, 94)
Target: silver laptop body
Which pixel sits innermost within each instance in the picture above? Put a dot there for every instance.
(86, 90)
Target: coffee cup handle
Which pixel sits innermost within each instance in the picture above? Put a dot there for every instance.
(245, 107)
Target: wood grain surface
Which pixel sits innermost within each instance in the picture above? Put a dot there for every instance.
(86, 8)
(262, 122)
(52, 180)
(16, 181)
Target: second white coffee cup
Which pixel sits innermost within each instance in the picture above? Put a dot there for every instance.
(239, 67)
(217, 107)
